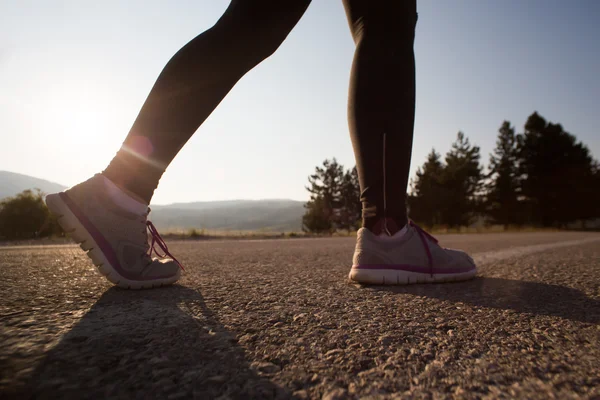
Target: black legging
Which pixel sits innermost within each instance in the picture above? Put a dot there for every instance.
(381, 100)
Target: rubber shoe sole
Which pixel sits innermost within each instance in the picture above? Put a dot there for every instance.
(399, 277)
(69, 222)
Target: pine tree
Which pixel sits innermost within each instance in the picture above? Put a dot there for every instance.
(592, 206)
(503, 189)
(350, 213)
(462, 180)
(326, 186)
(557, 172)
(326, 182)
(315, 219)
(425, 202)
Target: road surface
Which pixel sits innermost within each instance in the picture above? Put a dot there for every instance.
(278, 319)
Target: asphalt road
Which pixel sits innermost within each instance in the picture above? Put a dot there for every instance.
(278, 319)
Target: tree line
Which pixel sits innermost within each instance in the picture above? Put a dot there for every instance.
(541, 177)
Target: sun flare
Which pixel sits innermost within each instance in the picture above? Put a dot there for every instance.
(84, 121)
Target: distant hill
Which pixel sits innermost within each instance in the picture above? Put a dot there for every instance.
(236, 215)
(12, 183)
(268, 215)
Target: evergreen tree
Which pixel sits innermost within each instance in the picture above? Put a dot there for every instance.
(351, 207)
(326, 183)
(425, 202)
(315, 219)
(557, 172)
(335, 199)
(462, 181)
(503, 188)
(592, 206)
(325, 189)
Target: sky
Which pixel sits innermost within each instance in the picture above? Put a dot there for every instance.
(74, 74)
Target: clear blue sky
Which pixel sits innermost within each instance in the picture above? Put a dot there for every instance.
(73, 75)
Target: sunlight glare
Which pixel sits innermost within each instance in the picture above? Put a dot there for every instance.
(85, 122)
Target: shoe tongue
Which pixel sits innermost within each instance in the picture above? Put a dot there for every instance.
(387, 227)
(398, 233)
(123, 200)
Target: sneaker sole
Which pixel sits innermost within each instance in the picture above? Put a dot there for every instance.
(399, 277)
(69, 222)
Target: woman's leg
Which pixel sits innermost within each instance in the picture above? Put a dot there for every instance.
(381, 106)
(194, 82)
(382, 112)
(105, 218)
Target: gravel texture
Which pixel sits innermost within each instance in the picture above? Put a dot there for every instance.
(278, 319)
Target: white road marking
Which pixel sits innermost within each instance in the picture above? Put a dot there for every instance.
(499, 255)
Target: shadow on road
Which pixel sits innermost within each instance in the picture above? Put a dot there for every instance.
(522, 296)
(162, 343)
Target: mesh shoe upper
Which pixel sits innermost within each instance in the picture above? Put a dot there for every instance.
(121, 235)
(414, 251)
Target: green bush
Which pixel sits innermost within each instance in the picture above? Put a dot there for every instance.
(195, 234)
(26, 216)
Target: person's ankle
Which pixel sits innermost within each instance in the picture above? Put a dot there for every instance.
(385, 225)
(124, 198)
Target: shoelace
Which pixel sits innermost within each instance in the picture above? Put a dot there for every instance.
(424, 236)
(157, 239)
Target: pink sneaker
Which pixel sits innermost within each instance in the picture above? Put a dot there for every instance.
(115, 239)
(411, 257)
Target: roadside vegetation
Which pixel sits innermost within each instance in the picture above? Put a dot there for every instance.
(25, 216)
(202, 234)
(540, 179)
